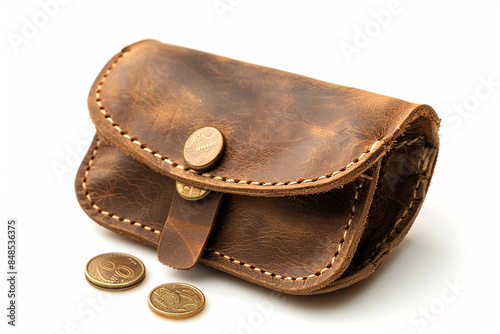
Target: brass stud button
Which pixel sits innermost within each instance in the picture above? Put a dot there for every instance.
(204, 148)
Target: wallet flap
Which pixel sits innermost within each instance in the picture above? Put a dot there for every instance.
(285, 134)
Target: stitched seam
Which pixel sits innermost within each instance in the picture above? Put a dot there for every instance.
(407, 209)
(385, 162)
(403, 217)
(100, 210)
(173, 164)
(408, 142)
(414, 197)
(230, 259)
(400, 220)
(378, 190)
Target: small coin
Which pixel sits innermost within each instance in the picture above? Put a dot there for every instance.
(114, 271)
(113, 289)
(204, 148)
(190, 193)
(176, 300)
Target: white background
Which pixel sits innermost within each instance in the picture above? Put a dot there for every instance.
(434, 52)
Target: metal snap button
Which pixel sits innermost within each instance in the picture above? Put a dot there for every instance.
(204, 148)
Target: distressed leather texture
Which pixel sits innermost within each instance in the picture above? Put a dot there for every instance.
(186, 230)
(318, 181)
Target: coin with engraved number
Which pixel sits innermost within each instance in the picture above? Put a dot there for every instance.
(115, 271)
(204, 148)
(176, 300)
(190, 193)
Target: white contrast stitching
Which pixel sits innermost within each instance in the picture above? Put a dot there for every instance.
(97, 208)
(398, 222)
(407, 142)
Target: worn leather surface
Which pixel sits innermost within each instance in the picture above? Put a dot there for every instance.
(186, 230)
(286, 134)
(320, 181)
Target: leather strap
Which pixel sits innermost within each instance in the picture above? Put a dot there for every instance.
(186, 230)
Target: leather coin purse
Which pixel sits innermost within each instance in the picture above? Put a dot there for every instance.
(295, 184)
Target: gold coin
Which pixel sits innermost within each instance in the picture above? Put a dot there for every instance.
(204, 148)
(190, 193)
(176, 300)
(115, 271)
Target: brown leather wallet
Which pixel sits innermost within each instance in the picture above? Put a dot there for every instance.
(315, 184)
